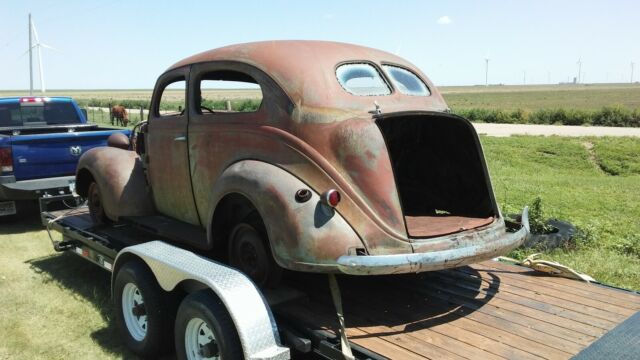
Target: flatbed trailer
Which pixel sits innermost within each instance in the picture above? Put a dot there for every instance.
(490, 310)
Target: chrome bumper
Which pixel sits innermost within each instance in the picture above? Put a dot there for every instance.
(485, 249)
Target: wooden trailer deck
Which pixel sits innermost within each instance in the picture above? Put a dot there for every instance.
(485, 311)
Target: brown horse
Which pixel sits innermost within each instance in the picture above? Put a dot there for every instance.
(120, 115)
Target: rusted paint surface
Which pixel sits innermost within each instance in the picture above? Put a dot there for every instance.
(308, 133)
(120, 177)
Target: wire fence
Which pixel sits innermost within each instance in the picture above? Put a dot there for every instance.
(103, 116)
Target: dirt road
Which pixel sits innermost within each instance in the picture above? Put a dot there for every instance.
(547, 130)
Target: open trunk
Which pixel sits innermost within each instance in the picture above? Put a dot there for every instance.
(440, 173)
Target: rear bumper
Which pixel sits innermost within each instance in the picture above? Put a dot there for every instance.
(10, 189)
(486, 245)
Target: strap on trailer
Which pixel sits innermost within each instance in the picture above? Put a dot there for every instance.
(337, 302)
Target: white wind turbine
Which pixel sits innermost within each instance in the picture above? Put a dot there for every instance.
(38, 46)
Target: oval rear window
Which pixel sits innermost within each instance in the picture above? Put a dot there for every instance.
(362, 80)
(406, 82)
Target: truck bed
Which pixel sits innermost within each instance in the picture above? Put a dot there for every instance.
(489, 310)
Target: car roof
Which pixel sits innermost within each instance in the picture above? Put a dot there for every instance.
(305, 69)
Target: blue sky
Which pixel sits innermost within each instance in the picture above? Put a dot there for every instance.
(127, 44)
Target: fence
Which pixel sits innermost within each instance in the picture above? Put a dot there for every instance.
(102, 116)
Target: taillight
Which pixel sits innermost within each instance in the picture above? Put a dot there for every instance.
(331, 197)
(6, 160)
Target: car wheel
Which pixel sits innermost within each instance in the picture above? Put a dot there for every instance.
(250, 253)
(144, 314)
(204, 329)
(96, 209)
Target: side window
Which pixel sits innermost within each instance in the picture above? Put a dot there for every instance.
(172, 101)
(227, 91)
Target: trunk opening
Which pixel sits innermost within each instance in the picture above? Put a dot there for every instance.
(440, 173)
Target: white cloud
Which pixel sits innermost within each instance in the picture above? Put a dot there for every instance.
(444, 20)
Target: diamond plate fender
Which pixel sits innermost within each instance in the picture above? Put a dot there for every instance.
(249, 311)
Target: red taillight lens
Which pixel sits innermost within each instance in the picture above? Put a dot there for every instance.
(6, 160)
(331, 197)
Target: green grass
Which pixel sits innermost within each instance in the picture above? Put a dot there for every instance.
(52, 306)
(532, 98)
(574, 186)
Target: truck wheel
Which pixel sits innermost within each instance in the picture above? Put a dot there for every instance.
(204, 329)
(143, 311)
(250, 253)
(96, 210)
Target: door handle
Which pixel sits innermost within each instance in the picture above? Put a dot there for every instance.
(180, 138)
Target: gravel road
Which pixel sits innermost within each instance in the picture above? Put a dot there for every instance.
(547, 130)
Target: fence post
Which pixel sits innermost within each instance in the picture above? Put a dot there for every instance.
(228, 105)
(141, 114)
(110, 115)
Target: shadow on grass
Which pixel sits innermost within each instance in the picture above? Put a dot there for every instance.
(26, 220)
(91, 283)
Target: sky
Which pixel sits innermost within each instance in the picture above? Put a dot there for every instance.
(120, 44)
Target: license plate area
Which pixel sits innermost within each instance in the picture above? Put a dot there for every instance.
(7, 208)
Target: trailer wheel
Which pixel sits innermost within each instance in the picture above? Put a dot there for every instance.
(143, 311)
(250, 253)
(204, 329)
(96, 209)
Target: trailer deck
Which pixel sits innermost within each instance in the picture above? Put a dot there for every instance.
(489, 310)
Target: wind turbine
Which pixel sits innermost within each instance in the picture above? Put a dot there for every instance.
(486, 69)
(579, 69)
(38, 46)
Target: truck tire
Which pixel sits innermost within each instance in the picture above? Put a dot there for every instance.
(96, 210)
(144, 312)
(250, 253)
(204, 329)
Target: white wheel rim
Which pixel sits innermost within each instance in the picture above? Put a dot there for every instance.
(196, 336)
(132, 303)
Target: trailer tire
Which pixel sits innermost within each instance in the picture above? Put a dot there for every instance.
(144, 312)
(204, 329)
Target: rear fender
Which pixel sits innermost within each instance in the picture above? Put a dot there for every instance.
(121, 179)
(304, 236)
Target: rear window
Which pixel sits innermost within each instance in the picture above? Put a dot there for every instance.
(362, 79)
(406, 82)
(37, 114)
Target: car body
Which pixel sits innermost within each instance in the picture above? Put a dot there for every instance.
(41, 140)
(414, 192)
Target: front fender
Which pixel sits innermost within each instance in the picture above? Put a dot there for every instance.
(120, 177)
(304, 236)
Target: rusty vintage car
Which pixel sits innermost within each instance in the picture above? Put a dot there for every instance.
(352, 163)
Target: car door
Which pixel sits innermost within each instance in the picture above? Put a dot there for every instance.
(167, 148)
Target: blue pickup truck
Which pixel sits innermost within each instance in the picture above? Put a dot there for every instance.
(41, 140)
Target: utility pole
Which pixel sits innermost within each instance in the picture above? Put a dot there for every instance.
(632, 65)
(486, 71)
(30, 59)
(524, 77)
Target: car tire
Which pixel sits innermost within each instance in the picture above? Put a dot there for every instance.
(249, 251)
(95, 203)
(144, 312)
(204, 329)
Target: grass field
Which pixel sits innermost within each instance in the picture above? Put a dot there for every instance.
(531, 97)
(56, 306)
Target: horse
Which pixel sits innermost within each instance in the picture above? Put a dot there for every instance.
(120, 115)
